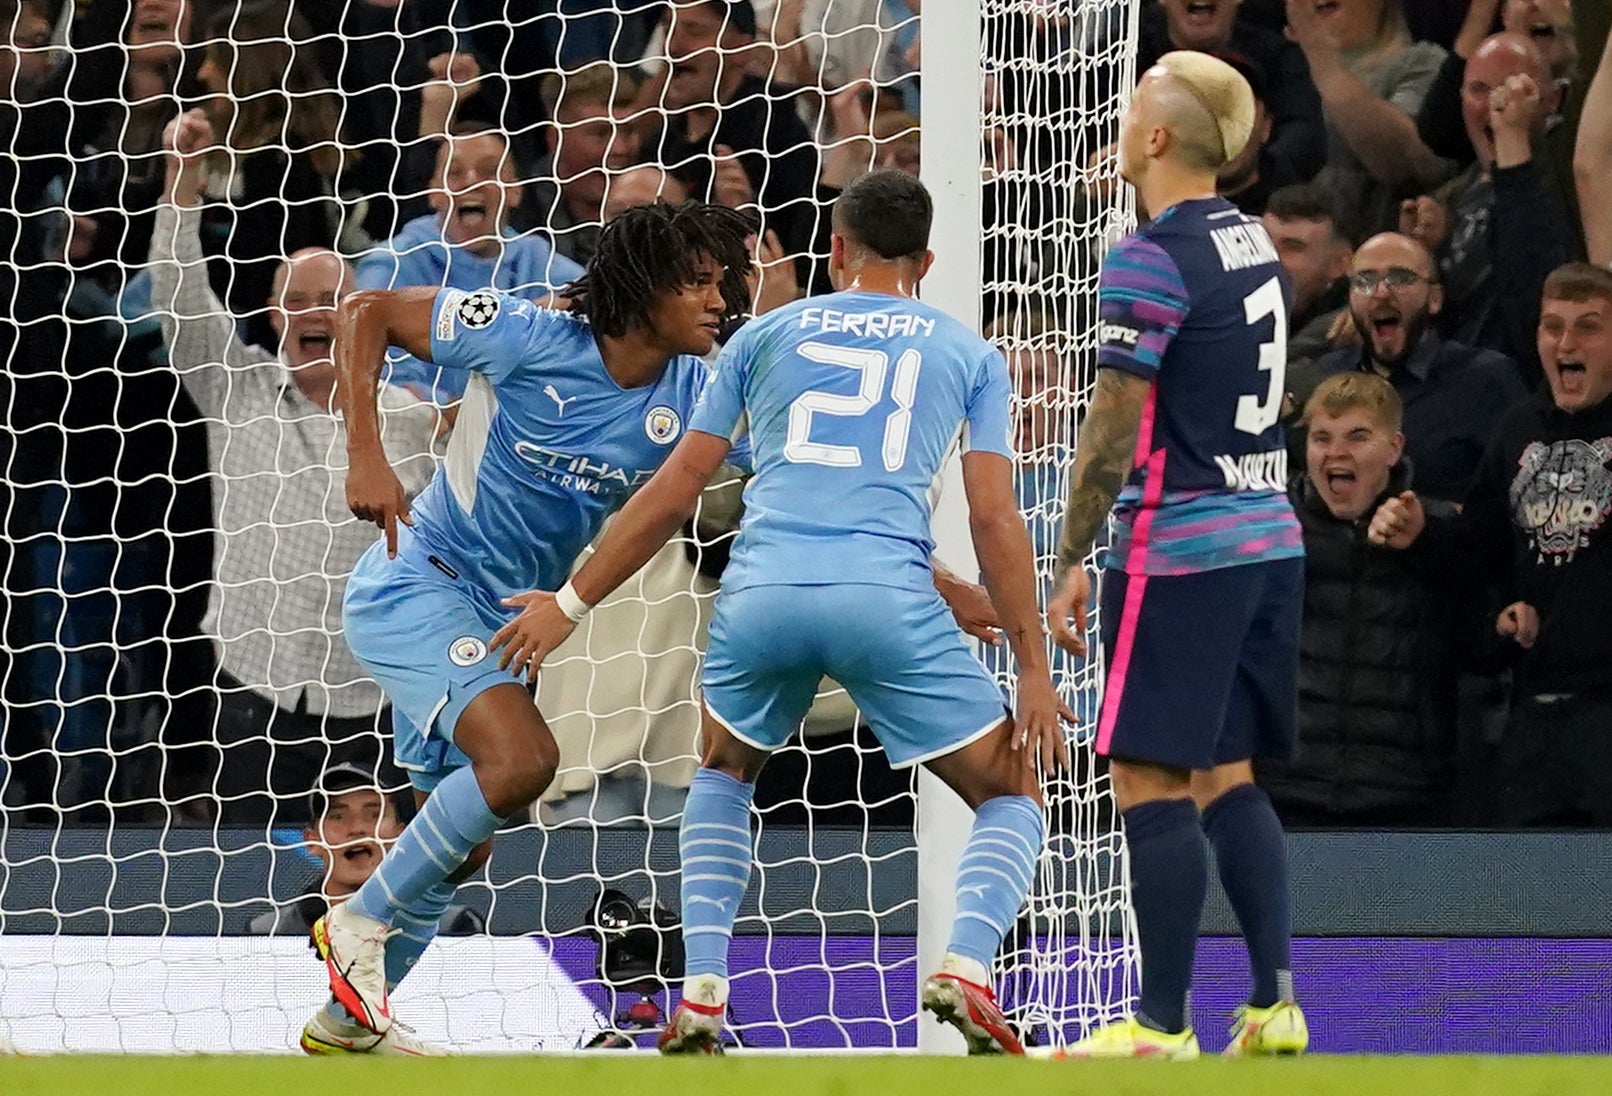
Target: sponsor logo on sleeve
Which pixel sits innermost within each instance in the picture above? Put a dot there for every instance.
(451, 299)
(1117, 334)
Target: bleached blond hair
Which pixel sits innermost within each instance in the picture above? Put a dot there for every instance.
(1207, 106)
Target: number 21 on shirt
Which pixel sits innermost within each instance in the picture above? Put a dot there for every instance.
(872, 365)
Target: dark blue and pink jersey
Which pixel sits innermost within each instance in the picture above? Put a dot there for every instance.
(1196, 302)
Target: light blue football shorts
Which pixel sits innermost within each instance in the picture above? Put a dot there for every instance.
(423, 637)
(898, 652)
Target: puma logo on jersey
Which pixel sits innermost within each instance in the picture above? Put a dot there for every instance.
(559, 401)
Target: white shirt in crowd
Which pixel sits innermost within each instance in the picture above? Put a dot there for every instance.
(284, 541)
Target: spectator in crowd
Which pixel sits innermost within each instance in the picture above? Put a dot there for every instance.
(1317, 256)
(466, 242)
(28, 57)
(591, 136)
(1379, 644)
(1044, 406)
(1372, 79)
(290, 694)
(852, 141)
(1454, 395)
(352, 822)
(1242, 180)
(271, 182)
(1537, 516)
(830, 44)
(1549, 25)
(36, 431)
(1296, 146)
(377, 54)
(710, 102)
(122, 94)
(1500, 227)
(108, 462)
(896, 141)
(641, 185)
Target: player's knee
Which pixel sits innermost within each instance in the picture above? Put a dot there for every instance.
(1014, 778)
(1138, 782)
(516, 780)
(1209, 785)
(730, 758)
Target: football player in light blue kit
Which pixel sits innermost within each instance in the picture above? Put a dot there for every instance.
(565, 414)
(851, 403)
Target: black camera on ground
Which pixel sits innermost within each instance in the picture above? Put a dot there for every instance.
(640, 955)
(640, 943)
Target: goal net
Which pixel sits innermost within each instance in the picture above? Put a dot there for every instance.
(186, 746)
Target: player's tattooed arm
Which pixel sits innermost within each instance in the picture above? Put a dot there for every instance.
(1103, 460)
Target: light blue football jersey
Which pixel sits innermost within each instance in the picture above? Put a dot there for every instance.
(850, 402)
(546, 445)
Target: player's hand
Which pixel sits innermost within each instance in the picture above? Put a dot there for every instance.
(1519, 621)
(971, 605)
(1068, 604)
(374, 493)
(531, 637)
(1038, 723)
(1398, 522)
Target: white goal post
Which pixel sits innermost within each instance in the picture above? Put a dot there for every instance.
(1075, 964)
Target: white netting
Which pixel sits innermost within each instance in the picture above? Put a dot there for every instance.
(176, 535)
(1056, 75)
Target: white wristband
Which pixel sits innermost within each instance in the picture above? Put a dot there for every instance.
(570, 604)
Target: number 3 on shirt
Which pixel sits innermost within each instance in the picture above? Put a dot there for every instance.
(871, 364)
(1254, 415)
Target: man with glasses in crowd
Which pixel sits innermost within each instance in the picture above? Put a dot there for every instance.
(1454, 395)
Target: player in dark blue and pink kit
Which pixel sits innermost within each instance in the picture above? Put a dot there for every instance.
(1203, 581)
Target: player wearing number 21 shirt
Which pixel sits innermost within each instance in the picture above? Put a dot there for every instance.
(851, 403)
(1203, 582)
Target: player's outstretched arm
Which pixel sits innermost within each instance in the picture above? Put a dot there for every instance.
(1007, 564)
(641, 529)
(369, 322)
(1104, 456)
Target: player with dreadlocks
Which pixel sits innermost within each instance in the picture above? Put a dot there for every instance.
(566, 412)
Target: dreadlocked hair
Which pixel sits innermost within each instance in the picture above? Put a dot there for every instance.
(652, 249)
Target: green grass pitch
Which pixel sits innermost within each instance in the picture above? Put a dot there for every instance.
(645, 1075)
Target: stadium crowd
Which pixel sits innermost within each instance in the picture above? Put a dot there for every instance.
(190, 188)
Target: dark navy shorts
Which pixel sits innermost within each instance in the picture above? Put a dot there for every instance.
(1202, 668)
